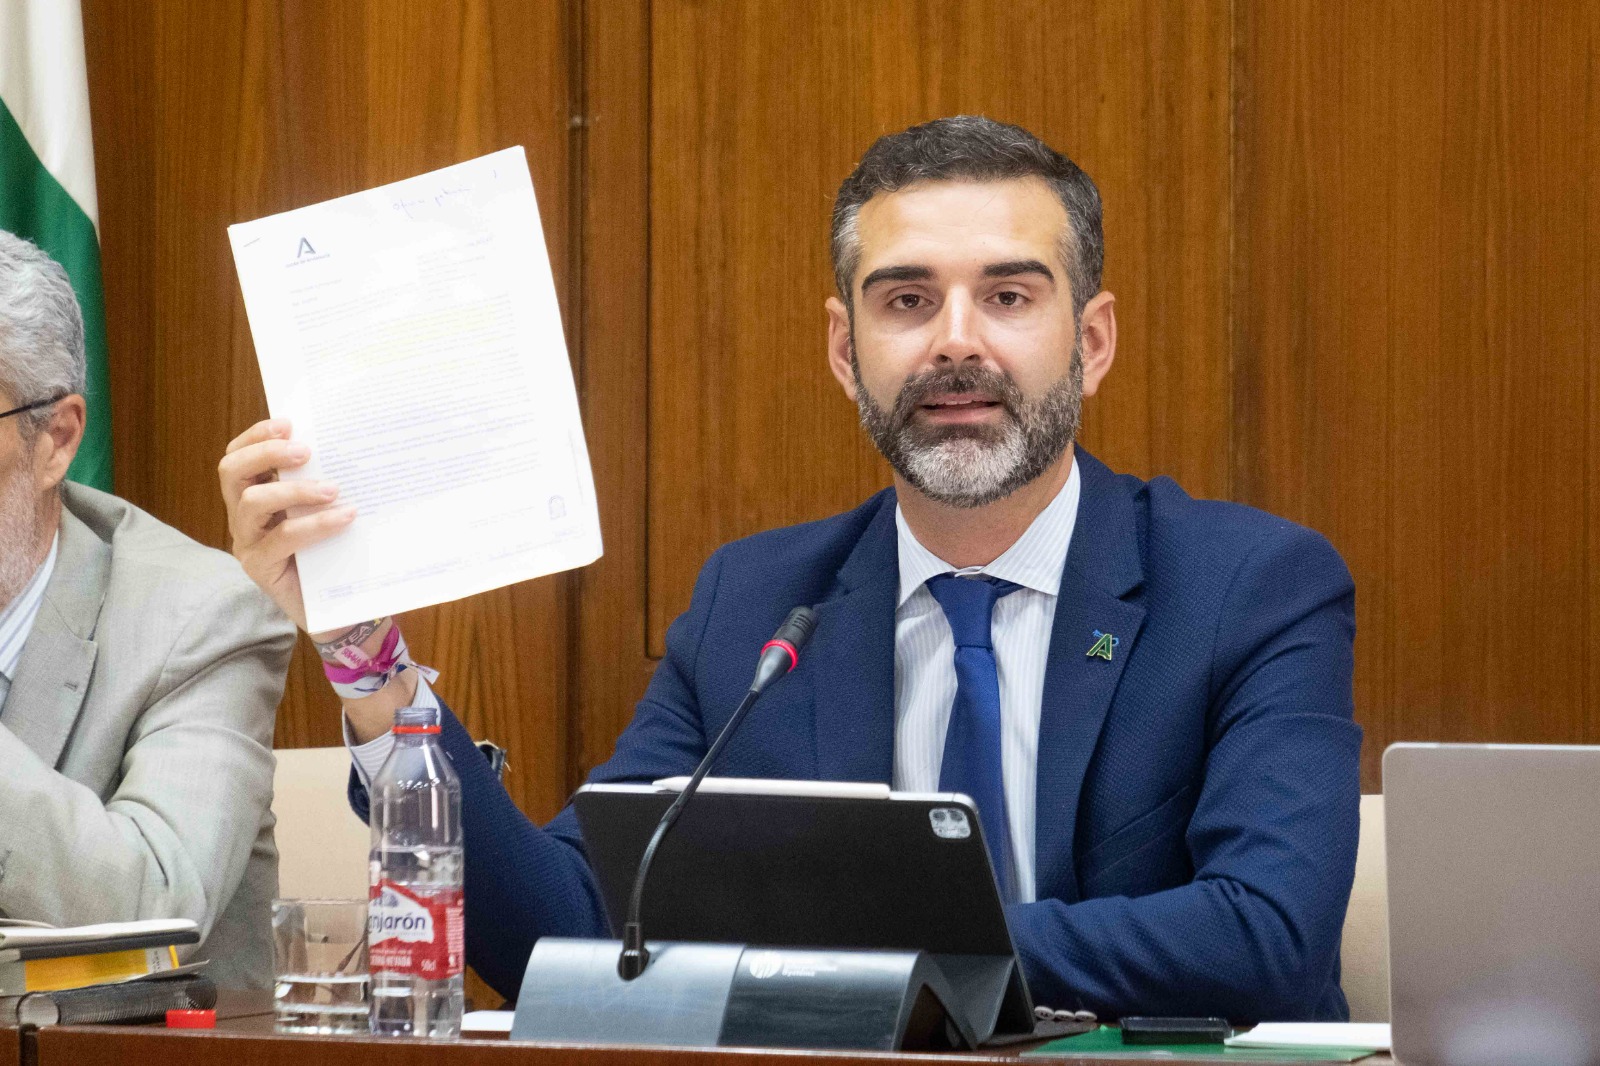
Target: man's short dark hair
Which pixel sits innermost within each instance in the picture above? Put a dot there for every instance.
(971, 148)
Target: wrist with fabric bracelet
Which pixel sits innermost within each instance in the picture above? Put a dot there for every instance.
(345, 649)
(356, 675)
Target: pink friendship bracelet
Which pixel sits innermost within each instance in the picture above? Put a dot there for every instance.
(372, 673)
(386, 660)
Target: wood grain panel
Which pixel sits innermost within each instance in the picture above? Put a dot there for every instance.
(248, 1040)
(212, 113)
(113, 1046)
(610, 664)
(1592, 344)
(760, 109)
(1411, 195)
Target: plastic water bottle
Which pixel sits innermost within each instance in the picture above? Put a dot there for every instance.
(415, 923)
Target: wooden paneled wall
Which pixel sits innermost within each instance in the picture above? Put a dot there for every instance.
(1416, 344)
(760, 109)
(207, 113)
(1356, 251)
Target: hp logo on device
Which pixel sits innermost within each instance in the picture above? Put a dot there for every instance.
(764, 964)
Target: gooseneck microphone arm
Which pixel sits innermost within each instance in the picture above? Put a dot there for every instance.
(778, 656)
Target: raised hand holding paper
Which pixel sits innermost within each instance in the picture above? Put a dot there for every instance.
(411, 336)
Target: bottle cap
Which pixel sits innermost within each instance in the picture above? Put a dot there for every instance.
(191, 1019)
(416, 720)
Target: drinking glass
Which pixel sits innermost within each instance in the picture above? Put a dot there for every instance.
(319, 956)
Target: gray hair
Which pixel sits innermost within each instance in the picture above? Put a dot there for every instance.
(41, 330)
(971, 148)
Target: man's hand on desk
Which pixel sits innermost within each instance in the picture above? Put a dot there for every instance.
(265, 539)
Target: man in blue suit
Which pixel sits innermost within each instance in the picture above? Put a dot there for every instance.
(1148, 695)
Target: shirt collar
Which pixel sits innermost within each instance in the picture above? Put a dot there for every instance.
(16, 621)
(1035, 561)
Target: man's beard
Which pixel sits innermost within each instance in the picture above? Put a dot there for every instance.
(973, 465)
(19, 533)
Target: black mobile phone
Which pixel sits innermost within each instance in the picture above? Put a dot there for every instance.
(1175, 1030)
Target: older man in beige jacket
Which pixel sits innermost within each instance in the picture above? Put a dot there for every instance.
(139, 676)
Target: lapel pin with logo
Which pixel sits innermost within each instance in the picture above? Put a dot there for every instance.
(1102, 646)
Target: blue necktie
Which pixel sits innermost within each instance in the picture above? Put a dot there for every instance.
(972, 761)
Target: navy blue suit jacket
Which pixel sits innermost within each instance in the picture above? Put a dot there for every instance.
(1198, 794)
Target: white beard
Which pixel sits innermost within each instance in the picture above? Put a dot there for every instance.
(967, 468)
(19, 534)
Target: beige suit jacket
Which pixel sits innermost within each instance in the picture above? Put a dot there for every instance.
(136, 741)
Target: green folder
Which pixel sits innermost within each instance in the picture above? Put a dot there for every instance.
(1106, 1043)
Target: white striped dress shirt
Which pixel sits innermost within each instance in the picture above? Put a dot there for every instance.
(925, 671)
(16, 620)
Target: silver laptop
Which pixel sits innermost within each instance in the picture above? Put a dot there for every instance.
(1494, 903)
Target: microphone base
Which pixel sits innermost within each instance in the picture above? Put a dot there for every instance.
(708, 995)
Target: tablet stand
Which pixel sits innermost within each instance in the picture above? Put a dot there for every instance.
(697, 995)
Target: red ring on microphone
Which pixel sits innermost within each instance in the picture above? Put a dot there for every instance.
(794, 656)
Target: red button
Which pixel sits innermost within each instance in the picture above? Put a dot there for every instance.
(191, 1019)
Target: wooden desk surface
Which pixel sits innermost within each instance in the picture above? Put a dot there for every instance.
(244, 1037)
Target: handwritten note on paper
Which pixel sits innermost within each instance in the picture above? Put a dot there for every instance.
(411, 335)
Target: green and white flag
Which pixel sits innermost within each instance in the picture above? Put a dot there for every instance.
(47, 181)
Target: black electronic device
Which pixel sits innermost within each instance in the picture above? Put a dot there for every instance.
(895, 890)
(801, 864)
(1174, 1030)
(790, 914)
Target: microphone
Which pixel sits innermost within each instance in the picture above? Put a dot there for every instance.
(782, 653)
(778, 656)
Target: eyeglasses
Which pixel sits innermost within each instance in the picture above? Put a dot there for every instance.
(33, 406)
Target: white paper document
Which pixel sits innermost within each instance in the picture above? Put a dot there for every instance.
(37, 934)
(1349, 1036)
(411, 336)
(487, 1021)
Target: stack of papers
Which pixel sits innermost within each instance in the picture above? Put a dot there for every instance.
(1353, 1036)
(15, 933)
(36, 959)
(479, 1022)
(1329, 1043)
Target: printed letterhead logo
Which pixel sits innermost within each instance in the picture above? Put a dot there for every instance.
(306, 252)
(397, 915)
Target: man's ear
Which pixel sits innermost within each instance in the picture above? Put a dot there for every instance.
(839, 346)
(1098, 325)
(58, 442)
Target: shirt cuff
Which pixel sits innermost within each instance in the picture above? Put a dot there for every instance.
(369, 757)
